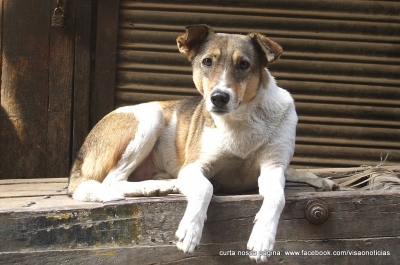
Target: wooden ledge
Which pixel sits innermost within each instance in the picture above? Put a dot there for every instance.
(59, 229)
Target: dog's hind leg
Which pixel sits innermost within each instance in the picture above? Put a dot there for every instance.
(150, 124)
(148, 188)
(136, 140)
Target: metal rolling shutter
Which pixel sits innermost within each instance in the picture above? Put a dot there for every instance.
(341, 63)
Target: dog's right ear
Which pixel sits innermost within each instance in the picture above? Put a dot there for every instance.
(189, 42)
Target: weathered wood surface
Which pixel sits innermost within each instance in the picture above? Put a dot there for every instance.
(25, 49)
(141, 230)
(209, 254)
(102, 94)
(20, 188)
(37, 86)
(61, 77)
(81, 93)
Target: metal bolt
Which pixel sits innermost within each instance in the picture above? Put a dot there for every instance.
(317, 211)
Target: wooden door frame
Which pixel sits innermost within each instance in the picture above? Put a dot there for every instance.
(85, 25)
(103, 90)
(46, 84)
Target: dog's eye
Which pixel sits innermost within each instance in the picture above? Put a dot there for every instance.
(207, 62)
(244, 65)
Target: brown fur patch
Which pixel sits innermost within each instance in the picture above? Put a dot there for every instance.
(252, 88)
(192, 117)
(270, 49)
(197, 123)
(246, 87)
(184, 111)
(103, 148)
(198, 81)
(189, 42)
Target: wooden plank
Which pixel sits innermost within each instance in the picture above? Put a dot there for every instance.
(33, 189)
(24, 88)
(142, 229)
(16, 193)
(61, 202)
(102, 98)
(60, 94)
(83, 34)
(62, 223)
(28, 181)
(218, 254)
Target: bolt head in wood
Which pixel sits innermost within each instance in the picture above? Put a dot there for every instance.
(317, 211)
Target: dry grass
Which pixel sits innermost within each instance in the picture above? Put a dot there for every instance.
(378, 177)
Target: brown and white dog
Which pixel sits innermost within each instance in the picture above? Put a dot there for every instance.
(240, 134)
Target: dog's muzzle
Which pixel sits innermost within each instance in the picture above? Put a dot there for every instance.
(220, 99)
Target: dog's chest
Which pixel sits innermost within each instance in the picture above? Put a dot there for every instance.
(239, 141)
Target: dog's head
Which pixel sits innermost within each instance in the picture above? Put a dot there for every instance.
(228, 69)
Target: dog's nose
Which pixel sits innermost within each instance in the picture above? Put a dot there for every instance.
(220, 99)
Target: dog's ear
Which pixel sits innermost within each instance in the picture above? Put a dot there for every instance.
(271, 49)
(189, 42)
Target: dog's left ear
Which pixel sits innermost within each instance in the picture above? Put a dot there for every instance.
(189, 42)
(271, 49)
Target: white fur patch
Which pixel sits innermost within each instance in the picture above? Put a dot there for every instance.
(262, 238)
(148, 188)
(94, 191)
(165, 154)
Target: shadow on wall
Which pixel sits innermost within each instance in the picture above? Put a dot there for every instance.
(24, 88)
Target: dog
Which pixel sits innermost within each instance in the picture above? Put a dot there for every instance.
(237, 136)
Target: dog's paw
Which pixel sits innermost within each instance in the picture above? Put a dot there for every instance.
(113, 197)
(96, 192)
(262, 239)
(189, 233)
(158, 188)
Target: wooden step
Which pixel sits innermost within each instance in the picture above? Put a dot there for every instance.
(40, 224)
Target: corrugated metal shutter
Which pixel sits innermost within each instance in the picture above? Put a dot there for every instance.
(341, 63)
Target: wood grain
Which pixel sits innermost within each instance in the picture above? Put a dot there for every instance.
(102, 96)
(141, 230)
(209, 254)
(24, 88)
(82, 68)
(61, 69)
(37, 89)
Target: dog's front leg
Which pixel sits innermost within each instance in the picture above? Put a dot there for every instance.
(198, 191)
(271, 185)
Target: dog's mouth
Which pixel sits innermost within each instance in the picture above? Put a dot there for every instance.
(224, 110)
(219, 111)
